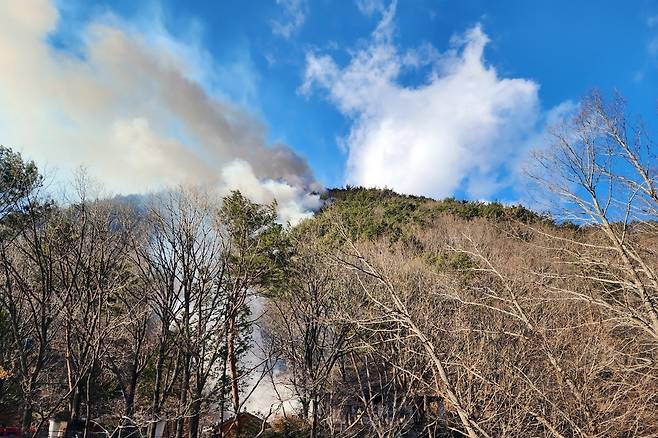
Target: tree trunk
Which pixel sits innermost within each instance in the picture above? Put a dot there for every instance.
(233, 366)
(233, 372)
(87, 403)
(305, 408)
(182, 405)
(27, 417)
(194, 417)
(155, 405)
(74, 405)
(314, 420)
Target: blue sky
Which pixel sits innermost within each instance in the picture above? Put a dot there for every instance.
(294, 67)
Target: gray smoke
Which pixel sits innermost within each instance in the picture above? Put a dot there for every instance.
(136, 107)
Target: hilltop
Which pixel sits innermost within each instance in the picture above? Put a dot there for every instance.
(370, 213)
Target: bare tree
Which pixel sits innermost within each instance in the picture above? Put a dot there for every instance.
(131, 347)
(184, 264)
(92, 269)
(378, 287)
(26, 291)
(28, 297)
(306, 326)
(603, 174)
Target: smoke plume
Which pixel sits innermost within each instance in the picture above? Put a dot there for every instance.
(134, 106)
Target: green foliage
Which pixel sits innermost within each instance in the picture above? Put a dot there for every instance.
(457, 261)
(9, 392)
(374, 213)
(490, 210)
(17, 177)
(259, 244)
(18, 180)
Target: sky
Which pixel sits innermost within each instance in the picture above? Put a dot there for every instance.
(282, 98)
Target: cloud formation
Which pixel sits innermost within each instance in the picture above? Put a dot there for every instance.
(294, 15)
(130, 104)
(370, 7)
(459, 129)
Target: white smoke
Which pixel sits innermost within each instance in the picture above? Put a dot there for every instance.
(293, 203)
(132, 104)
(269, 394)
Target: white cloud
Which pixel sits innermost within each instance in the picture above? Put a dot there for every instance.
(131, 105)
(652, 21)
(370, 7)
(459, 128)
(294, 15)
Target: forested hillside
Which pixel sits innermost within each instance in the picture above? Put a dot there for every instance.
(383, 315)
